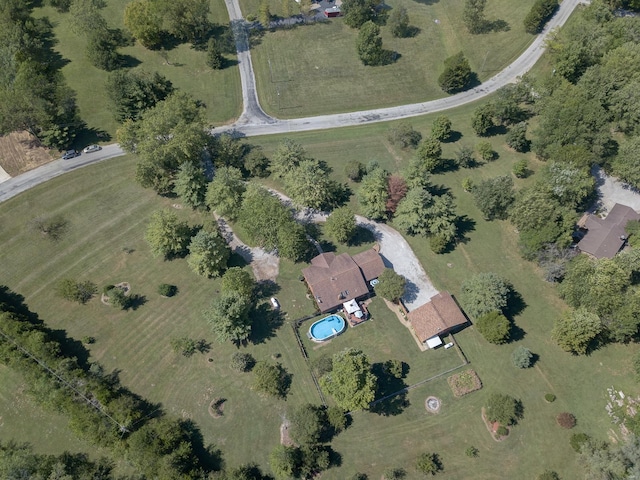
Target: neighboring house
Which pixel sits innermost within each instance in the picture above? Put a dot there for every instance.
(439, 316)
(605, 237)
(332, 12)
(336, 279)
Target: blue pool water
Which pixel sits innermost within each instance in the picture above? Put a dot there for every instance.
(327, 327)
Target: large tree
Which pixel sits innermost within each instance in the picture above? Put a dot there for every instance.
(191, 185)
(131, 92)
(358, 12)
(494, 196)
(309, 185)
(398, 22)
(287, 157)
(224, 193)
(144, 22)
(351, 382)
(166, 136)
(483, 293)
(208, 253)
(238, 280)
(626, 165)
(473, 16)
(576, 330)
(373, 194)
(429, 152)
(456, 75)
(341, 225)
(391, 285)
(502, 408)
(229, 317)
(421, 213)
(166, 235)
(494, 327)
(369, 45)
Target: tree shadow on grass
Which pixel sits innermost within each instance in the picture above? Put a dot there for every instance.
(266, 322)
(388, 384)
(71, 347)
(515, 304)
(210, 456)
(362, 236)
(464, 225)
(266, 289)
(136, 301)
(516, 333)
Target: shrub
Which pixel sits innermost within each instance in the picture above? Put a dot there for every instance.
(183, 345)
(503, 409)
(522, 357)
(107, 289)
(88, 340)
(441, 128)
(485, 149)
(494, 327)
(456, 75)
(271, 379)
(548, 475)
(394, 368)
(118, 299)
(566, 420)
(336, 418)
(354, 170)
(404, 135)
(429, 464)
(394, 474)
(167, 290)
(471, 452)
(521, 168)
(540, 13)
(502, 431)
(73, 291)
(550, 397)
(465, 157)
(242, 362)
(467, 184)
(577, 440)
(517, 137)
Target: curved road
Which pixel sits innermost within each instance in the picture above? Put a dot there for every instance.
(254, 121)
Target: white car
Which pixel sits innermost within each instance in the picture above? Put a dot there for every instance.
(92, 148)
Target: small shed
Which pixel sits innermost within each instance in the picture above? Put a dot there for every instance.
(439, 316)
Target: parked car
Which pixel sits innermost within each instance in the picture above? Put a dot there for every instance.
(92, 148)
(70, 154)
(275, 303)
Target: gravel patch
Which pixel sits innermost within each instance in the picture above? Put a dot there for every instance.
(612, 191)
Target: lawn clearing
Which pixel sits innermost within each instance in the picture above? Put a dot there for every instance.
(314, 69)
(218, 90)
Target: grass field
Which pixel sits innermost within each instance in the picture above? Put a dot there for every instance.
(314, 69)
(219, 90)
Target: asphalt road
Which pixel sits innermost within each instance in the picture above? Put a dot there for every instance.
(254, 121)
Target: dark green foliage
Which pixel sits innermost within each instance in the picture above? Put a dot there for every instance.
(239, 281)
(404, 135)
(473, 16)
(341, 225)
(351, 382)
(394, 368)
(190, 185)
(522, 357)
(166, 235)
(391, 285)
(208, 253)
(484, 293)
(309, 185)
(502, 408)
(224, 192)
(550, 397)
(485, 149)
(465, 157)
(336, 418)
(167, 290)
(494, 327)
(441, 128)
(215, 60)
(626, 165)
(184, 345)
(271, 379)
(632, 229)
(358, 12)
(541, 11)
(74, 291)
(482, 119)
(577, 440)
(576, 330)
(429, 464)
(369, 45)
(88, 340)
(359, 476)
(566, 420)
(227, 151)
(398, 22)
(322, 365)
(256, 163)
(229, 317)
(131, 92)
(307, 424)
(636, 365)
(429, 152)
(502, 431)
(354, 170)
(373, 194)
(521, 168)
(456, 75)
(494, 196)
(101, 50)
(242, 362)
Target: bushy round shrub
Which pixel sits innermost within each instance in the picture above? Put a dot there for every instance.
(88, 340)
(577, 440)
(548, 475)
(566, 420)
(242, 362)
(522, 357)
(550, 397)
(167, 290)
(502, 431)
(107, 289)
(471, 452)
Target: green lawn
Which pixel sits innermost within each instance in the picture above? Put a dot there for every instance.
(314, 69)
(219, 90)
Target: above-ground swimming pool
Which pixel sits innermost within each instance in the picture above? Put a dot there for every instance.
(326, 328)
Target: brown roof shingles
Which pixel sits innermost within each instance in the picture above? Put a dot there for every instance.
(371, 264)
(436, 317)
(605, 237)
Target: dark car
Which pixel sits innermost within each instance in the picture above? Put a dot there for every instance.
(70, 154)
